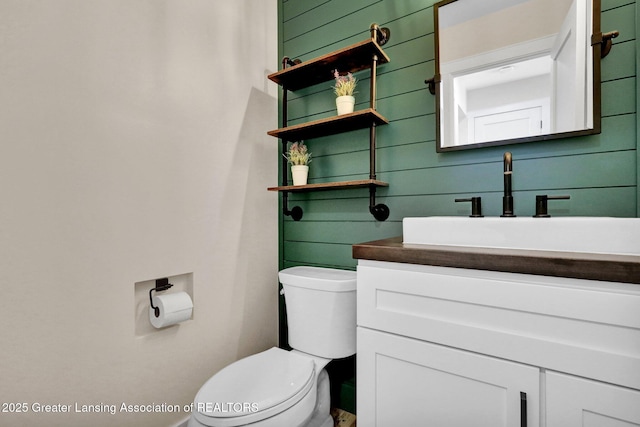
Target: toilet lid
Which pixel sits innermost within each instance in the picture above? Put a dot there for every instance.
(273, 379)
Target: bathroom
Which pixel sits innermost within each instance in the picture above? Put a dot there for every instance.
(133, 148)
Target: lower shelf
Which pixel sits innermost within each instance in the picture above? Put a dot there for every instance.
(363, 183)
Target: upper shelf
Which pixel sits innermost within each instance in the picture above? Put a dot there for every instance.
(330, 126)
(348, 60)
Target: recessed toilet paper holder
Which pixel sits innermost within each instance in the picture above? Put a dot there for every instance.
(161, 285)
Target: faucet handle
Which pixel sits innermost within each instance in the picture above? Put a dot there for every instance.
(541, 204)
(476, 206)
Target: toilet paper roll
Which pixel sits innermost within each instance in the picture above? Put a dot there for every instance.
(174, 308)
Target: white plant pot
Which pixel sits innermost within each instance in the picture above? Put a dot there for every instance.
(299, 174)
(345, 104)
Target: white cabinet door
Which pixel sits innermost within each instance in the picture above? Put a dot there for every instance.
(578, 402)
(406, 382)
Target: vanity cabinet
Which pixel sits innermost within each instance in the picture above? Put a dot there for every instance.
(403, 380)
(296, 75)
(456, 347)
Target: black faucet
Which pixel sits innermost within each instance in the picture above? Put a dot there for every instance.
(541, 204)
(507, 199)
(476, 206)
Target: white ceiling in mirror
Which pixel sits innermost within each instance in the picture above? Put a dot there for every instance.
(472, 26)
(506, 74)
(458, 13)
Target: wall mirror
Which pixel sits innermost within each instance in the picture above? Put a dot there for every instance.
(511, 71)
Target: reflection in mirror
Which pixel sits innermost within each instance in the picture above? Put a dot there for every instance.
(514, 71)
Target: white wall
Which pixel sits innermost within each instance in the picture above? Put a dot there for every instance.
(132, 146)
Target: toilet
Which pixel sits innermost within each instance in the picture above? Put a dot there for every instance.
(276, 387)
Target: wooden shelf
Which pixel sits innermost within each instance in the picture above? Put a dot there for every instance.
(350, 59)
(363, 183)
(360, 56)
(330, 126)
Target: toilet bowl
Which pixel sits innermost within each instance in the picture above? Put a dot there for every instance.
(276, 387)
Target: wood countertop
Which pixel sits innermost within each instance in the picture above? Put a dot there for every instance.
(578, 265)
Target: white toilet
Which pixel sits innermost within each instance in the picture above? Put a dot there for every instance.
(279, 388)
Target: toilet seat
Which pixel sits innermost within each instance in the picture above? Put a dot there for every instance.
(255, 388)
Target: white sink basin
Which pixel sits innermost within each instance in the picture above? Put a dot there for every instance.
(566, 234)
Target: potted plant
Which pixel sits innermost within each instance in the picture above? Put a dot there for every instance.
(344, 89)
(299, 157)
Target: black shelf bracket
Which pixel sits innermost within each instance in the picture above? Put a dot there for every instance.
(379, 211)
(380, 35)
(290, 62)
(296, 212)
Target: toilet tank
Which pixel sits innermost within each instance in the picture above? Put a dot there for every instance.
(321, 310)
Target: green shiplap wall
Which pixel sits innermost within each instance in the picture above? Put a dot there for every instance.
(599, 172)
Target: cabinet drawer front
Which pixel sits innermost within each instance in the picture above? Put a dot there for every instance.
(405, 382)
(583, 327)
